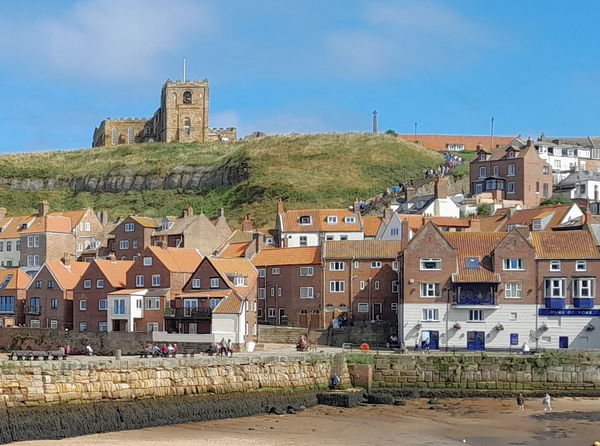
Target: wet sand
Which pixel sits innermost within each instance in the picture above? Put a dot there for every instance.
(477, 422)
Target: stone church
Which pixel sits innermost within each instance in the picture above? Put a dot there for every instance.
(182, 117)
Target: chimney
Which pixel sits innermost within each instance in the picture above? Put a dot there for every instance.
(163, 244)
(388, 213)
(259, 242)
(43, 208)
(112, 257)
(221, 213)
(588, 217)
(103, 217)
(440, 188)
(247, 224)
(356, 206)
(529, 142)
(405, 233)
(2, 212)
(280, 208)
(66, 259)
(409, 192)
(478, 147)
(188, 211)
(474, 224)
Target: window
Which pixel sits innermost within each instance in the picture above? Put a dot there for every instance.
(536, 225)
(53, 303)
(511, 154)
(196, 284)
(395, 287)
(102, 326)
(7, 304)
(38, 284)
(363, 284)
(337, 286)
(151, 326)
(476, 316)
(584, 288)
(356, 265)
(259, 313)
(271, 312)
(134, 244)
(336, 266)
(240, 281)
(554, 288)
(350, 219)
(394, 231)
(124, 244)
(187, 124)
(79, 247)
(33, 241)
(33, 260)
(261, 293)
(307, 292)
(129, 227)
(513, 290)
(54, 324)
(545, 190)
(155, 280)
(139, 280)
(581, 265)
(431, 264)
(306, 271)
(430, 314)
(511, 170)
(83, 305)
(153, 303)
(555, 265)
(35, 323)
(394, 307)
(363, 308)
(87, 226)
(87, 283)
(545, 170)
(482, 157)
(329, 238)
(513, 316)
(496, 171)
(50, 284)
(138, 303)
(275, 271)
(395, 265)
(557, 164)
(83, 326)
(343, 237)
(377, 285)
(115, 137)
(478, 188)
(262, 272)
(375, 264)
(431, 290)
(187, 97)
(303, 240)
(100, 283)
(272, 291)
(332, 219)
(18, 245)
(305, 220)
(147, 261)
(510, 187)
(1, 246)
(102, 304)
(513, 264)
(482, 172)
(214, 282)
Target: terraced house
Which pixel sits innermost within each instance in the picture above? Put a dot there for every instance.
(13, 293)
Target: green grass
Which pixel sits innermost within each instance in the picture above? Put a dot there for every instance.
(306, 170)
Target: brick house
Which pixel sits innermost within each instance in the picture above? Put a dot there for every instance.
(154, 278)
(131, 236)
(89, 296)
(50, 294)
(514, 172)
(13, 293)
(219, 299)
(360, 280)
(10, 237)
(289, 286)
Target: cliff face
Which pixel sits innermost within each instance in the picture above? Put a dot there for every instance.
(180, 177)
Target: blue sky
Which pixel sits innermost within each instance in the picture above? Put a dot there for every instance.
(307, 66)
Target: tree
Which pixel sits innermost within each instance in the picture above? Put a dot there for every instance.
(484, 210)
(553, 201)
(391, 132)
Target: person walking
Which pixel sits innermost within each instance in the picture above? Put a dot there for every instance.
(223, 349)
(546, 402)
(229, 347)
(521, 401)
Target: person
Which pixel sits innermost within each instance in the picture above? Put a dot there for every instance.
(164, 351)
(223, 349)
(546, 402)
(147, 351)
(155, 351)
(521, 401)
(393, 341)
(417, 344)
(171, 350)
(427, 346)
(334, 382)
(68, 350)
(403, 348)
(175, 348)
(302, 344)
(229, 347)
(525, 349)
(89, 351)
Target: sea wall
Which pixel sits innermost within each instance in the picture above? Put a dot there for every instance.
(552, 371)
(88, 380)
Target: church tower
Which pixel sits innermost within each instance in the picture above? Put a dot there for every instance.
(184, 111)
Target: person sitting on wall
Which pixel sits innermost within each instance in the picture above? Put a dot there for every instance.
(334, 382)
(155, 351)
(393, 341)
(89, 351)
(147, 351)
(212, 349)
(164, 351)
(302, 344)
(525, 349)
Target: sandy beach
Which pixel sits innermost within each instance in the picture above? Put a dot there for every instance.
(485, 422)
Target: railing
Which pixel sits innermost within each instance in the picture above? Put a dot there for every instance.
(189, 313)
(33, 309)
(488, 299)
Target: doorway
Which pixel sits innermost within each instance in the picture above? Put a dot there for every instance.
(433, 337)
(563, 342)
(475, 340)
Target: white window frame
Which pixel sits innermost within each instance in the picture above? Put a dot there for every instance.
(482, 172)
(99, 283)
(430, 315)
(83, 305)
(337, 266)
(102, 326)
(507, 264)
(139, 280)
(423, 261)
(305, 220)
(307, 292)
(332, 219)
(476, 316)
(581, 265)
(275, 271)
(87, 283)
(377, 285)
(307, 271)
(303, 240)
(395, 265)
(337, 286)
(510, 187)
(155, 280)
(102, 304)
(215, 282)
(262, 293)
(362, 307)
(129, 227)
(430, 290)
(151, 326)
(394, 307)
(557, 290)
(123, 244)
(555, 265)
(511, 170)
(395, 286)
(152, 303)
(196, 284)
(83, 326)
(147, 261)
(513, 290)
(271, 312)
(262, 272)
(590, 286)
(362, 285)
(376, 264)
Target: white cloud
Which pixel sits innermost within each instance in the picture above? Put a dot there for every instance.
(399, 38)
(107, 39)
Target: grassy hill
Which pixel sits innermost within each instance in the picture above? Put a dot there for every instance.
(306, 170)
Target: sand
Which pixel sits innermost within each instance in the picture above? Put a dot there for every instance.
(479, 421)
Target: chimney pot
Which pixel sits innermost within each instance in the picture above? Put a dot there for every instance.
(280, 208)
(66, 259)
(247, 224)
(43, 208)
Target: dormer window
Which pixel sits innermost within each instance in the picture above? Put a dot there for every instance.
(240, 281)
(305, 220)
(536, 225)
(166, 225)
(482, 157)
(350, 220)
(511, 154)
(332, 219)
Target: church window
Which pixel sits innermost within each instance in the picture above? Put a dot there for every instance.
(130, 135)
(115, 137)
(187, 97)
(187, 126)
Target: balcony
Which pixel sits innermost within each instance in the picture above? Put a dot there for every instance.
(189, 313)
(33, 309)
(583, 302)
(475, 301)
(555, 303)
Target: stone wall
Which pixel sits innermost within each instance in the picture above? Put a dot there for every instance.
(34, 383)
(573, 371)
(103, 343)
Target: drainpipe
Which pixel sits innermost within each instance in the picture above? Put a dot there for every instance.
(351, 300)
(400, 303)
(447, 315)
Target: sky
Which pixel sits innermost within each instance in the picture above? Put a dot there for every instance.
(307, 66)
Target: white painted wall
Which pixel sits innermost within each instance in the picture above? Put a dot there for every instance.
(312, 238)
(443, 207)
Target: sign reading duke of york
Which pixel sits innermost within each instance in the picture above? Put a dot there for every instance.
(568, 312)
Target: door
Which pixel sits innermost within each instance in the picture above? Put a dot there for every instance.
(189, 305)
(475, 340)
(192, 328)
(377, 311)
(563, 342)
(431, 336)
(303, 318)
(282, 317)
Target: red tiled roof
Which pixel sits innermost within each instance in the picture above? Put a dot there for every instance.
(235, 249)
(310, 255)
(564, 245)
(291, 221)
(362, 249)
(19, 281)
(115, 271)
(177, 260)
(50, 223)
(440, 143)
(371, 225)
(476, 245)
(67, 276)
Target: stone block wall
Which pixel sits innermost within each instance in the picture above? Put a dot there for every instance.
(573, 371)
(34, 383)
